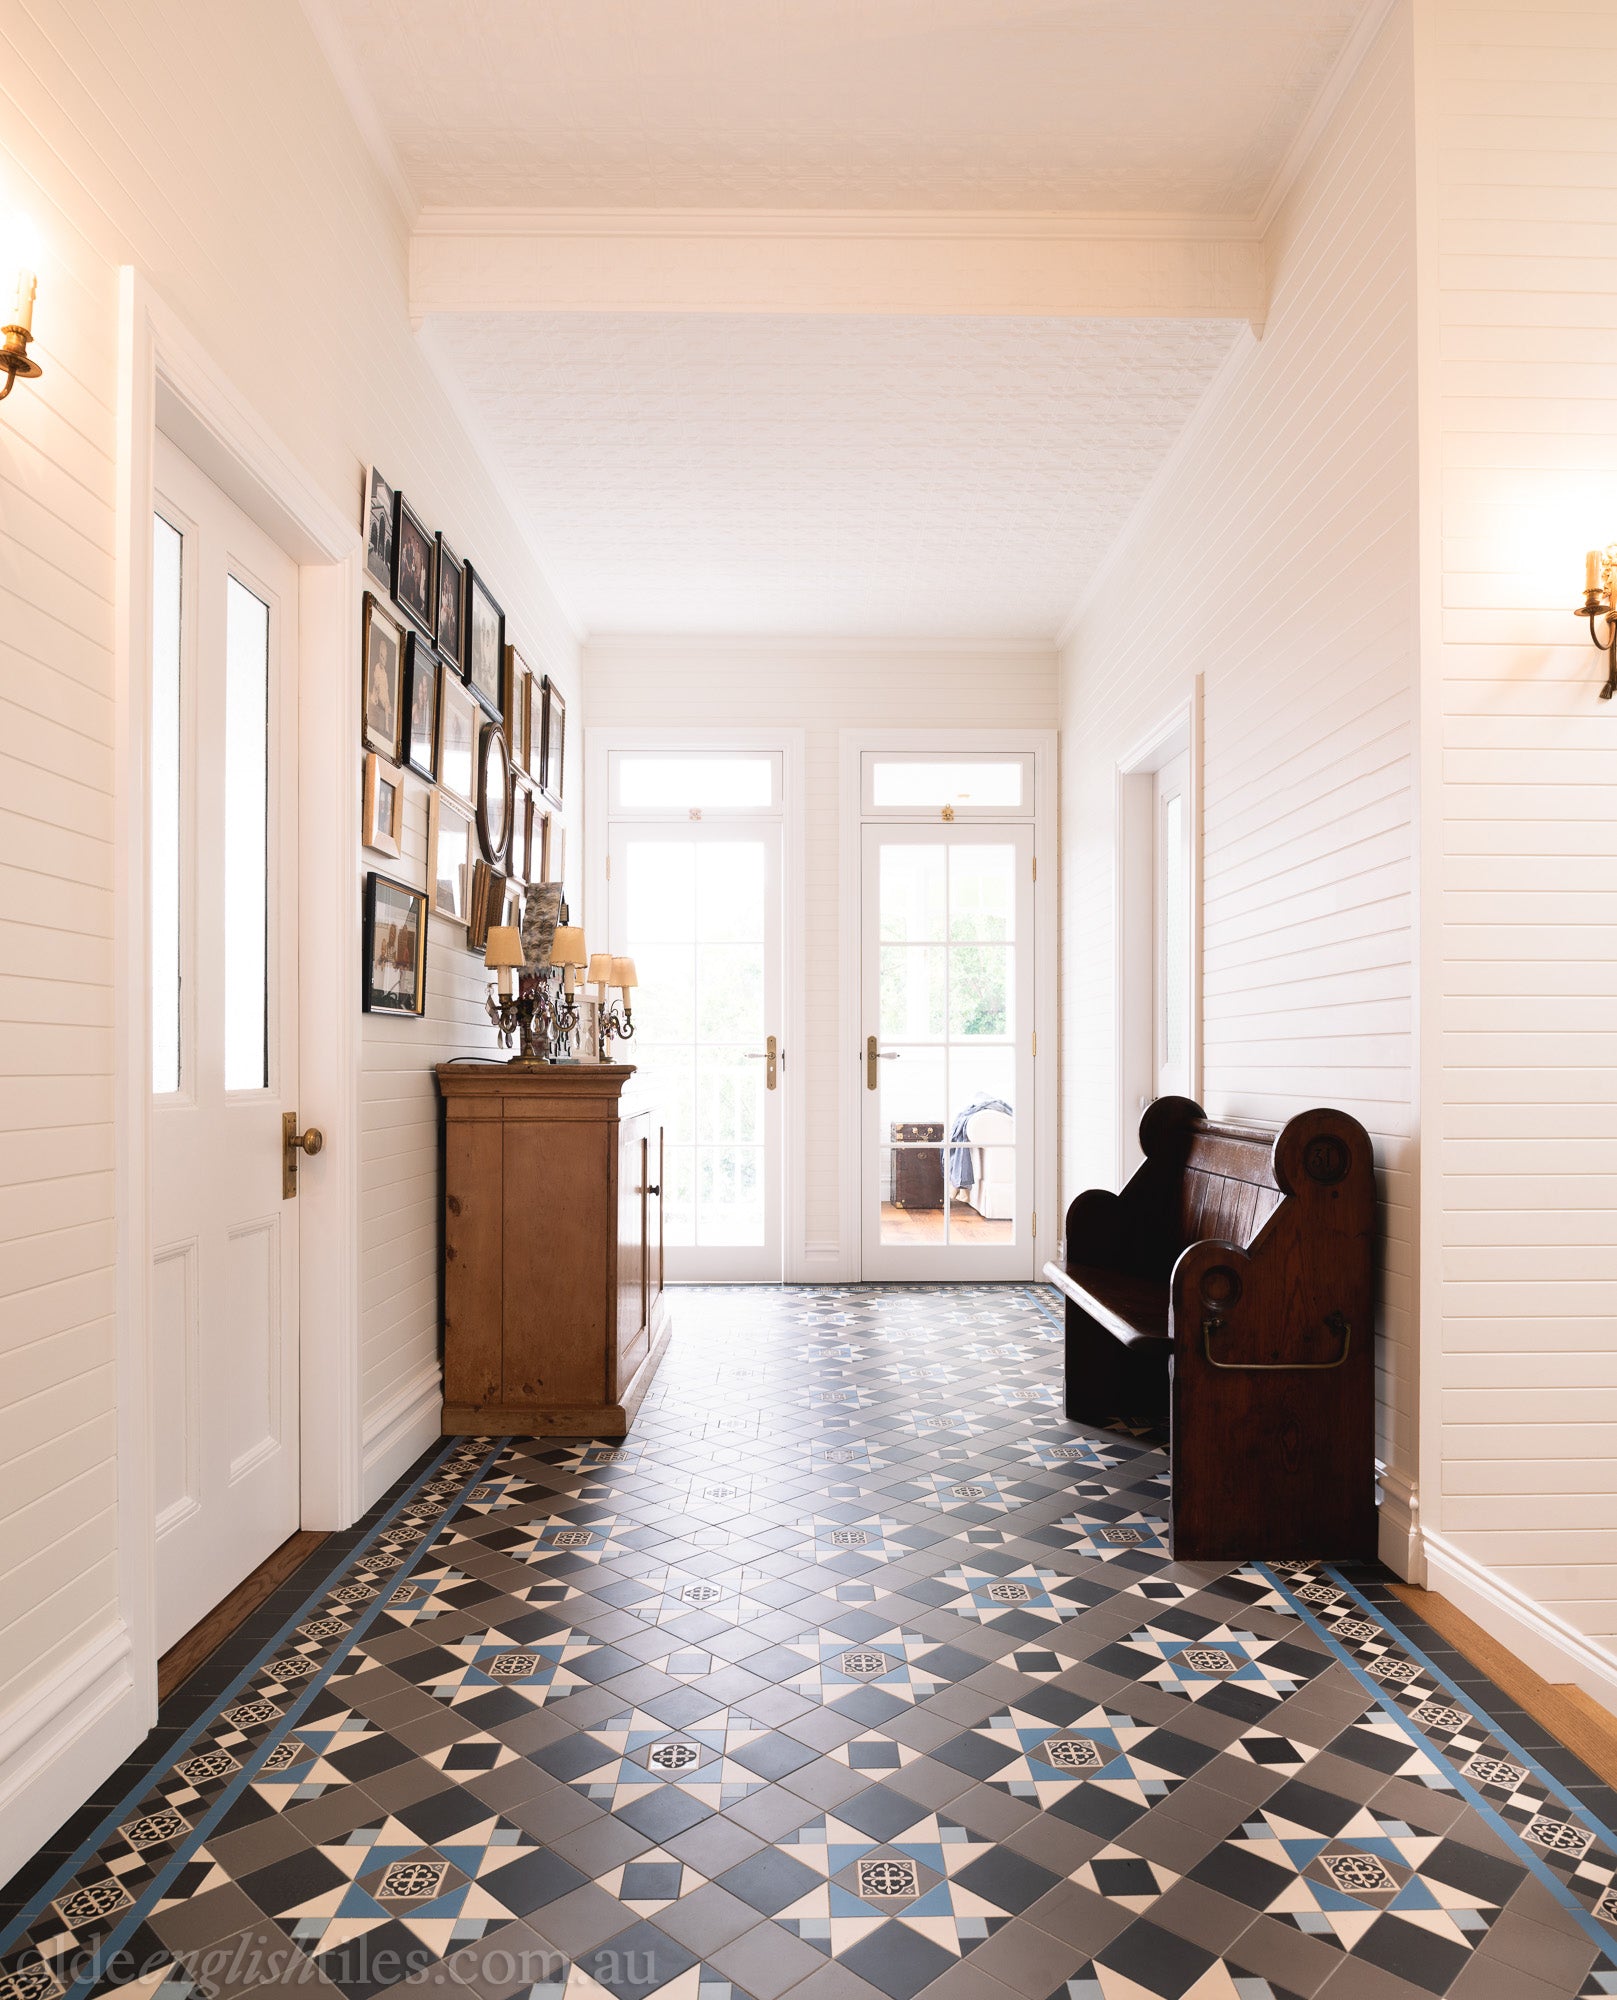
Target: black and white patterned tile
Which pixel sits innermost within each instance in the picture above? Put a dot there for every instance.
(854, 1670)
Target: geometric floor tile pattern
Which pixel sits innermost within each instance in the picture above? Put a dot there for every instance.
(856, 1673)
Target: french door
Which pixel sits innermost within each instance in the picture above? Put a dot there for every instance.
(222, 860)
(697, 905)
(946, 1048)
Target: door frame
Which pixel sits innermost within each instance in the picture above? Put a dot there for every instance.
(1041, 744)
(600, 741)
(168, 382)
(1134, 924)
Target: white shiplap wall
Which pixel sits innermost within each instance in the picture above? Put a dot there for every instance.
(1519, 1186)
(821, 688)
(210, 147)
(1276, 556)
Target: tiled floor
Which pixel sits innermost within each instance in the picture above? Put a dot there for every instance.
(857, 1671)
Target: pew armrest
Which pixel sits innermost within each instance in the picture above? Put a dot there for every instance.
(1131, 1309)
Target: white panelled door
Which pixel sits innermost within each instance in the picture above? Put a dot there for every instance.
(223, 889)
(946, 975)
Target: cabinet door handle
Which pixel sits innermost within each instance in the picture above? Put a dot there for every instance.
(652, 1188)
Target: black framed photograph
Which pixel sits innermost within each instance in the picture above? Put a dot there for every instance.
(414, 551)
(379, 501)
(553, 748)
(485, 643)
(424, 680)
(450, 575)
(494, 795)
(451, 850)
(460, 718)
(382, 655)
(382, 821)
(395, 969)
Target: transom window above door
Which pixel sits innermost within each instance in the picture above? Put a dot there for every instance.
(902, 785)
(696, 781)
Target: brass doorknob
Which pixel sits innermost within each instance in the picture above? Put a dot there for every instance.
(294, 1142)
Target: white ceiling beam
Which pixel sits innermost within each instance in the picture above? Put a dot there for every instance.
(859, 261)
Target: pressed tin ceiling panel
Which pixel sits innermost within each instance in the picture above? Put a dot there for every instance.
(815, 474)
(1183, 105)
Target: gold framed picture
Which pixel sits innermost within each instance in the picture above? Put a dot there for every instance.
(382, 817)
(451, 849)
(457, 741)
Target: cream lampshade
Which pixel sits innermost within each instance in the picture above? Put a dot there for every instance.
(503, 955)
(600, 973)
(623, 976)
(567, 948)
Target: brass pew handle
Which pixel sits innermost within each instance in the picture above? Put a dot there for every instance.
(1337, 1324)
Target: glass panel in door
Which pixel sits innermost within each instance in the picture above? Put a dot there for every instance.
(947, 977)
(698, 909)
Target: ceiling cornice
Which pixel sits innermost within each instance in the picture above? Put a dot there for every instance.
(882, 224)
(1320, 113)
(340, 60)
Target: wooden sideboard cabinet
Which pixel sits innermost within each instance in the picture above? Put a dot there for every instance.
(555, 1318)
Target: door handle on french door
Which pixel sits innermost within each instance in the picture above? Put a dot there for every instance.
(874, 1055)
(770, 1054)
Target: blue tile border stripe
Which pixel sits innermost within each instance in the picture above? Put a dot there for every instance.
(1482, 1806)
(107, 1948)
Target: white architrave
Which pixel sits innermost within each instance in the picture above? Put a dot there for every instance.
(168, 382)
(833, 261)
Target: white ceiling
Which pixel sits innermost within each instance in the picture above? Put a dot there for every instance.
(1024, 104)
(825, 475)
(821, 475)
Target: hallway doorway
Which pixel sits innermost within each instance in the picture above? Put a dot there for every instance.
(942, 937)
(223, 900)
(695, 892)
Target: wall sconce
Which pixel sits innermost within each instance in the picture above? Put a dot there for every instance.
(1600, 601)
(19, 259)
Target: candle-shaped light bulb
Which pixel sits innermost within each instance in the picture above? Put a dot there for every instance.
(504, 976)
(569, 974)
(1592, 566)
(19, 260)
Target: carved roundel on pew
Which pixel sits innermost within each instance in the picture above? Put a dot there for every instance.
(1325, 1160)
(1221, 1288)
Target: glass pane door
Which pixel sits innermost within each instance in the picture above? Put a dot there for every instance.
(947, 1041)
(698, 909)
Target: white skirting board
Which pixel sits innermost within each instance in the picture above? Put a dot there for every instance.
(1397, 1525)
(1536, 1636)
(59, 1742)
(405, 1426)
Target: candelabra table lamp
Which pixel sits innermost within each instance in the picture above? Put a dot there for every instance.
(614, 1018)
(534, 1003)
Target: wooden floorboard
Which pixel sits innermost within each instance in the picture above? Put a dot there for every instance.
(183, 1658)
(1577, 1719)
(925, 1225)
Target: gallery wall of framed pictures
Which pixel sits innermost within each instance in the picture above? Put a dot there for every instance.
(447, 701)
